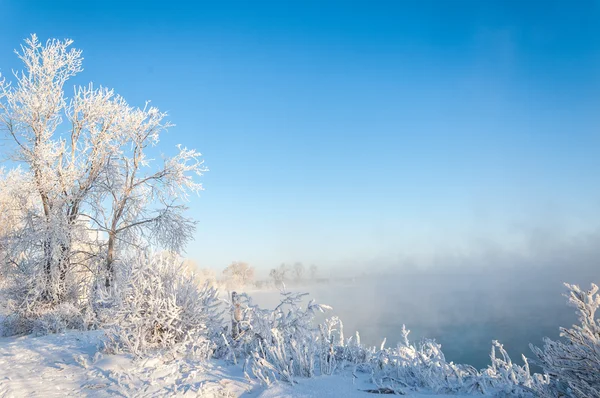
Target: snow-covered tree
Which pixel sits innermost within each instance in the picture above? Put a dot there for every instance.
(299, 272)
(313, 272)
(146, 203)
(13, 204)
(201, 275)
(85, 166)
(280, 274)
(238, 274)
(277, 276)
(31, 112)
(206, 275)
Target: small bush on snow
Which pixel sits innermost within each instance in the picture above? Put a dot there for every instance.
(59, 319)
(160, 307)
(46, 319)
(278, 344)
(29, 311)
(423, 367)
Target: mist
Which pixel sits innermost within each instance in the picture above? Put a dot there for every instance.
(465, 301)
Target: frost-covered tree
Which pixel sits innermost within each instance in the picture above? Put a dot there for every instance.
(239, 273)
(206, 275)
(16, 203)
(313, 272)
(279, 274)
(299, 272)
(85, 166)
(31, 111)
(8, 218)
(146, 203)
(201, 275)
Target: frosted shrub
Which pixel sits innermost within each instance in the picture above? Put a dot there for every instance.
(409, 367)
(335, 352)
(278, 344)
(574, 363)
(30, 311)
(422, 367)
(46, 319)
(284, 344)
(159, 307)
(59, 319)
(510, 378)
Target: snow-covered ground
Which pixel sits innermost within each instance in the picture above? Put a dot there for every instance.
(71, 364)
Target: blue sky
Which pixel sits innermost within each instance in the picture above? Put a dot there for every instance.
(342, 132)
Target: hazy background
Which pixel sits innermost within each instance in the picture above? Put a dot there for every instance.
(465, 302)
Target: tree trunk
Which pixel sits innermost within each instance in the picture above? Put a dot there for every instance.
(63, 268)
(236, 316)
(110, 258)
(47, 268)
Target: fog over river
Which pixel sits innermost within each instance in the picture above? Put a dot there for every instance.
(464, 303)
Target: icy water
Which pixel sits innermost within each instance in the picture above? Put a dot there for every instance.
(462, 312)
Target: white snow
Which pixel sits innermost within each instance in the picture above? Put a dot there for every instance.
(71, 364)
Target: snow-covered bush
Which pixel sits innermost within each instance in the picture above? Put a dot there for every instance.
(335, 352)
(284, 344)
(29, 309)
(574, 364)
(423, 367)
(45, 319)
(278, 344)
(159, 307)
(506, 376)
(59, 319)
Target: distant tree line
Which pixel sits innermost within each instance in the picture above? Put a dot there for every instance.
(240, 274)
(296, 273)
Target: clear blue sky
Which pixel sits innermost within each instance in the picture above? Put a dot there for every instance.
(345, 132)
